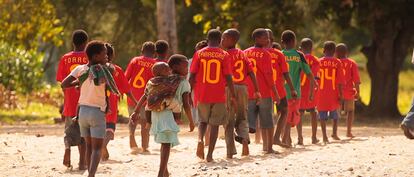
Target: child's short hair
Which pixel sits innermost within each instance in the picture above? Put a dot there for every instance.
(214, 35)
(288, 36)
(148, 47)
(276, 45)
(306, 44)
(158, 68)
(329, 46)
(94, 48)
(110, 51)
(259, 32)
(161, 46)
(176, 59)
(201, 45)
(79, 37)
(342, 46)
(233, 33)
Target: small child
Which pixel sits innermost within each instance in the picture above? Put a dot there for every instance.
(330, 89)
(351, 87)
(163, 127)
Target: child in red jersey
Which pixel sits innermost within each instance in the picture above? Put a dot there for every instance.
(242, 69)
(330, 89)
(162, 49)
(210, 72)
(262, 67)
(67, 63)
(138, 73)
(112, 115)
(351, 87)
(306, 104)
(280, 76)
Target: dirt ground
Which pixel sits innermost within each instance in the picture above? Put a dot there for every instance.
(37, 150)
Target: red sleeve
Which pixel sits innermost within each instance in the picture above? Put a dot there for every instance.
(227, 65)
(355, 73)
(247, 62)
(122, 82)
(195, 63)
(59, 73)
(315, 66)
(128, 71)
(283, 63)
(267, 68)
(340, 79)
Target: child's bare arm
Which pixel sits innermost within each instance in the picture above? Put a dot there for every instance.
(69, 81)
(257, 94)
(187, 109)
(357, 90)
(135, 114)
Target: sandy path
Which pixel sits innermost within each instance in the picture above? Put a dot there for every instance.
(376, 152)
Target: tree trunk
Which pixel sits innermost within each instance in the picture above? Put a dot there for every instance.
(166, 23)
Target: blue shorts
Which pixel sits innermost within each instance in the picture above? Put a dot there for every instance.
(92, 122)
(263, 111)
(325, 115)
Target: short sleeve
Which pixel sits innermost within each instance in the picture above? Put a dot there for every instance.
(267, 63)
(355, 73)
(283, 63)
(249, 66)
(128, 71)
(315, 66)
(305, 67)
(195, 63)
(121, 81)
(185, 86)
(77, 71)
(60, 73)
(340, 76)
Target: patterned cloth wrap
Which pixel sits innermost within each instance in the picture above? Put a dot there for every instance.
(160, 92)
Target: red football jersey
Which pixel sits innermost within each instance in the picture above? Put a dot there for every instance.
(241, 66)
(351, 77)
(211, 65)
(67, 63)
(138, 73)
(331, 76)
(314, 65)
(262, 67)
(279, 67)
(123, 87)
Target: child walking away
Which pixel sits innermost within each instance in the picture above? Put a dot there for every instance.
(330, 89)
(262, 67)
(242, 69)
(161, 49)
(112, 114)
(307, 105)
(280, 77)
(407, 125)
(297, 64)
(211, 70)
(138, 73)
(95, 80)
(351, 87)
(71, 95)
(163, 127)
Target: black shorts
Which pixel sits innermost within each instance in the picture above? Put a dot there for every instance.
(282, 105)
(111, 125)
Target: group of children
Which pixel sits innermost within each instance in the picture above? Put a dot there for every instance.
(262, 89)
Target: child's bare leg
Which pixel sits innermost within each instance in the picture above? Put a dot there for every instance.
(132, 142)
(258, 135)
(349, 121)
(82, 153)
(245, 149)
(144, 137)
(269, 139)
(323, 128)
(202, 128)
(299, 129)
(108, 136)
(335, 130)
(213, 138)
(88, 151)
(229, 137)
(280, 127)
(207, 136)
(286, 136)
(66, 157)
(314, 123)
(165, 154)
(95, 155)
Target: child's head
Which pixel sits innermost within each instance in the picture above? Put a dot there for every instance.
(96, 52)
(270, 35)
(161, 48)
(341, 50)
(179, 64)
(260, 37)
(288, 39)
(306, 45)
(329, 48)
(110, 51)
(79, 39)
(161, 69)
(148, 49)
(229, 38)
(276, 45)
(214, 37)
(200, 45)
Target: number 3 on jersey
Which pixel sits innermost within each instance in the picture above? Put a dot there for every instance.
(239, 65)
(208, 68)
(139, 82)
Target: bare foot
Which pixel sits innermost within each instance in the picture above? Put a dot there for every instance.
(271, 151)
(105, 154)
(66, 161)
(135, 150)
(209, 158)
(245, 150)
(281, 144)
(300, 143)
(200, 150)
(335, 137)
(315, 140)
(325, 140)
(350, 135)
(229, 156)
(82, 167)
(145, 151)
